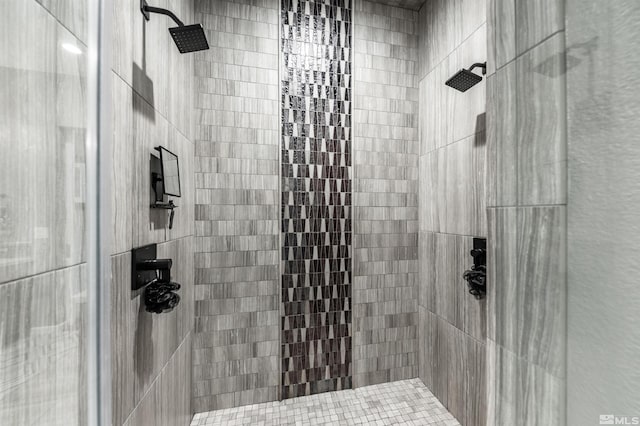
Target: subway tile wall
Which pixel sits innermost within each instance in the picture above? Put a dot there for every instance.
(237, 308)
(385, 315)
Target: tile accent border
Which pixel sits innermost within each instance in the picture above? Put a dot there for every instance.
(316, 196)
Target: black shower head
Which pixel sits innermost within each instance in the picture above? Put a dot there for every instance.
(464, 79)
(188, 38)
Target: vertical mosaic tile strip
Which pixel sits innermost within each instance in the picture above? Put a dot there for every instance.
(316, 196)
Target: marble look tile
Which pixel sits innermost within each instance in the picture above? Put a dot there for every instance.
(436, 108)
(504, 24)
(179, 71)
(458, 369)
(476, 384)
(447, 280)
(443, 260)
(427, 267)
(468, 108)
(432, 191)
(43, 121)
(491, 37)
(535, 21)
(143, 342)
(168, 400)
(404, 4)
(150, 129)
(443, 341)
(42, 360)
(183, 222)
(445, 25)
(72, 14)
(124, 309)
(426, 346)
(502, 158)
(452, 187)
(474, 16)
(541, 123)
(441, 22)
(151, 44)
(122, 184)
(521, 393)
(150, 62)
(527, 263)
(453, 366)
(122, 39)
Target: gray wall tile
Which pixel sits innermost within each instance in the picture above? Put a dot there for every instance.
(452, 187)
(526, 129)
(236, 340)
(521, 392)
(152, 88)
(122, 163)
(502, 149)
(541, 123)
(385, 149)
(527, 257)
(535, 21)
(503, 20)
(168, 400)
(42, 364)
(452, 205)
(43, 161)
(143, 342)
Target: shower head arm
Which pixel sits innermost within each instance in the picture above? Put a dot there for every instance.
(146, 9)
(482, 65)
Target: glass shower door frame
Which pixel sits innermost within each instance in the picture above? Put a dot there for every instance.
(98, 151)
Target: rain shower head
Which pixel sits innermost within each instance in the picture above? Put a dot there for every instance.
(464, 79)
(188, 38)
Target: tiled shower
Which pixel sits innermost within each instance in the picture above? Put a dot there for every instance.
(332, 196)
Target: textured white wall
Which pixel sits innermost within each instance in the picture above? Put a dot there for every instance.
(603, 61)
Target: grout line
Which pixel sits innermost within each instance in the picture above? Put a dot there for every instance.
(38, 274)
(450, 53)
(152, 106)
(527, 206)
(527, 51)
(157, 243)
(63, 25)
(452, 234)
(484, 341)
(160, 372)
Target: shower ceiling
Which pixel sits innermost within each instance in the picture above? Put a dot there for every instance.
(406, 4)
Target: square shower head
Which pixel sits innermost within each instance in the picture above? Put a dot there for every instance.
(463, 80)
(189, 38)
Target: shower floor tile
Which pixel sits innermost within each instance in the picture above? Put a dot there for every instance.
(407, 402)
